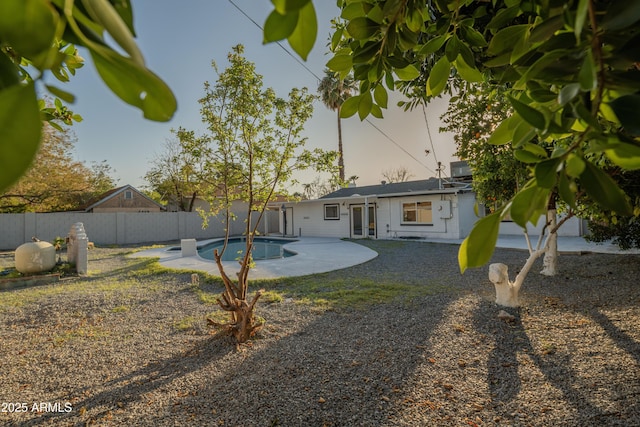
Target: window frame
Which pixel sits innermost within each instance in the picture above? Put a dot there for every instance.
(128, 193)
(332, 205)
(415, 209)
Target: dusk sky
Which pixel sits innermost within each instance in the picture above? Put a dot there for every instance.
(180, 39)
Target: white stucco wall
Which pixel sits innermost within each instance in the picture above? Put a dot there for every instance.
(308, 220)
(448, 221)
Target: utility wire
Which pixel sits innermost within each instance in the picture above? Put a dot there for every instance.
(399, 146)
(278, 43)
(433, 149)
(319, 80)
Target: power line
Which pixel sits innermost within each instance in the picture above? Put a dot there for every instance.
(399, 146)
(319, 79)
(433, 149)
(278, 43)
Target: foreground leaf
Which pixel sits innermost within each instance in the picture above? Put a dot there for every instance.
(304, 35)
(604, 190)
(477, 249)
(20, 130)
(135, 85)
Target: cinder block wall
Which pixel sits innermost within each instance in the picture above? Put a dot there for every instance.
(117, 228)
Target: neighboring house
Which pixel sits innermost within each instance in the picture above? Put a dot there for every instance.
(123, 199)
(430, 208)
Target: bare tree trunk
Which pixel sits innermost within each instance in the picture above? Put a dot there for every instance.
(550, 260)
(507, 292)
(340, 153)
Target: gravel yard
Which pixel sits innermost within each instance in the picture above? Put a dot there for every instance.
(130, 346)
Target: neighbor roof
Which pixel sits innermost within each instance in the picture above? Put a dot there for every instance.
(112, 193)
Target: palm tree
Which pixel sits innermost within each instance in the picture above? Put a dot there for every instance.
(334, 91)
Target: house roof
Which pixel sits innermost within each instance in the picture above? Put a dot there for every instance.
(430, 185)
(112, 193)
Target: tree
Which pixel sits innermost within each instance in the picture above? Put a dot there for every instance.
(334, 91)
(176, 172)
(471, 116)
(256, 145)
(55, 181)
(399, 174)
(39, 38)
(572, 79)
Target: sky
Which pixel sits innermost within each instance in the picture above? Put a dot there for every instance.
(180, 39)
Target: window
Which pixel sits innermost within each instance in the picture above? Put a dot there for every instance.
(128, 195)
(332, 211)
(416, 213)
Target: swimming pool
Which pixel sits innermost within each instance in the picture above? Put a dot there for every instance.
(263, 248)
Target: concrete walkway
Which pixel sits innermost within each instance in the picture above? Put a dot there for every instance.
(322, 254)
(565, 244)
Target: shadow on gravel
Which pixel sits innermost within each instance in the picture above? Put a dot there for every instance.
(341, 369)
(118, 394)
(504, 378)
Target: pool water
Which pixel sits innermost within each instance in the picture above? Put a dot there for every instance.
(263, 248)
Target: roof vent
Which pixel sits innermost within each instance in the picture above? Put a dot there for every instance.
(383, 182)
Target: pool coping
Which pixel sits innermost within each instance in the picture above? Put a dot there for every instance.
(313, 255)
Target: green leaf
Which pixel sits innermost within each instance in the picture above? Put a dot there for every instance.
(380, 95)
(362, 28)
(568, 93)
(135, 85)
(20, 130)
(473, 37)
(9, 74)
(621, 14)
(376, 111)
(433, 45)
(545, 29)
(28, 26)
(64, 95)
(546, 173)
(304, 36)
(352, 11)
(504, 132)
(574, 165)
(408, 73)
(349, 107)
(532, 116)
(477, 249)
(627, 110)
(503, 17)
(286, 6)
(587, 75)
(340, 63)
(528, 205)
(365, 105)
(452, 48)
(567, 194)
(470, 74)
(504, 39)
(581, 16)
(627, 156)
(279, 27)
(438, 77)
(604, 190)
(525, 156)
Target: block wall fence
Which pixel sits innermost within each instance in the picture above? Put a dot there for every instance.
(114, 228)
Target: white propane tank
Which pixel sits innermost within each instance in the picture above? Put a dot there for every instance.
(35, 257)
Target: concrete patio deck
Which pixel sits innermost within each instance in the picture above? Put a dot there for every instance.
(313, 255)
(323, 254)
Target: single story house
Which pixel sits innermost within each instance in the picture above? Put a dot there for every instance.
(123, 199)
(431, 208)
